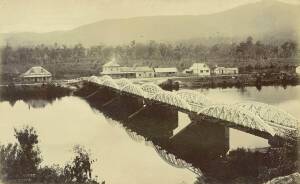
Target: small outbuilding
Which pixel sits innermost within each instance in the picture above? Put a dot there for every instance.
(36, 74)
(165, 72)
(226, 71)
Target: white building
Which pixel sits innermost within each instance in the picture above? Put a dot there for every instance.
(114, 70)
(110, 67)
(226, 71)
(201, 69)
(298, 70)
(165, 72)
(36, 74)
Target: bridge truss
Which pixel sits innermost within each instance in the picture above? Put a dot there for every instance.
(252, 115)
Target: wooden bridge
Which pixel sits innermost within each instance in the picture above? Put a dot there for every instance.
(253, 117)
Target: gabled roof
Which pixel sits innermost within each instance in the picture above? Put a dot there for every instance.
(37, 71)
(111, 64)
(136, 69)
(142, 69)
(228, 68)
(199, 65)
(165, 70)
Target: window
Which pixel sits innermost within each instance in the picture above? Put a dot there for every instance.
(201, 71)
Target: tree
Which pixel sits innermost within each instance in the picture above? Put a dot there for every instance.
(80, 168)
(8, 161)
(29, 154)
(22, 159)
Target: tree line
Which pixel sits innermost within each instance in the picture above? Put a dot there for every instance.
(21, 162)
(152, 53)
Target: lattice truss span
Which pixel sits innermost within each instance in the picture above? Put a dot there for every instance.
(272, 115)
(92, 79)
(171, 99)
(123, 82)
(98, 80)
(194, 98)
(134, 89)
(110, 83)
(106, 77)
(239, 116)
(151, 89)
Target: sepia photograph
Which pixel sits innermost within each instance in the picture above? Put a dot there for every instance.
(149, 91)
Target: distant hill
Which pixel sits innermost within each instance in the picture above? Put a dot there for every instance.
(262, 20)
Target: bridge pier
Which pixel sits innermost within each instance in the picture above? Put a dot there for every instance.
(200, 143)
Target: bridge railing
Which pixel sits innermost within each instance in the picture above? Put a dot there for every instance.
(252, 115)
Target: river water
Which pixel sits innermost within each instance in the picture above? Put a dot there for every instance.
(122, 155)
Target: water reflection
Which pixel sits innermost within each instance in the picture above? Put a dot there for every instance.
(117, 135)
(199, 143)
(34, 96)
(70, 121)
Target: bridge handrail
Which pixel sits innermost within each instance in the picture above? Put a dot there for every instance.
(236, 112)
(269, 113)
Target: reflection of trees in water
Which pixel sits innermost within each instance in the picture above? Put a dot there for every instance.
(34, 96)
(37, 103)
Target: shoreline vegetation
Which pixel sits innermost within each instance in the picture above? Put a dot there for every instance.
(21, 163)
(65, 62)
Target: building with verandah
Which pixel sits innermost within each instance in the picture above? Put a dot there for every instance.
(36, 74)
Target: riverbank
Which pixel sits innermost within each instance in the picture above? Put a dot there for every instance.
(239, 81)
(220, 81)
(13, 93)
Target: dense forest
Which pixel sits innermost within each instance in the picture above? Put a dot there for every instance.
(79, 59)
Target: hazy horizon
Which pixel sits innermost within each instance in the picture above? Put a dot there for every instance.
(55, 15)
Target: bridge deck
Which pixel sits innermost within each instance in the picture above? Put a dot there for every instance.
(248, 116)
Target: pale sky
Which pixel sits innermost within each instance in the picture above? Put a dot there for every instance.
(52, 15)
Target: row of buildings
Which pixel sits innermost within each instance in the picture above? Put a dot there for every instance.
(115, 70)
(39, 74)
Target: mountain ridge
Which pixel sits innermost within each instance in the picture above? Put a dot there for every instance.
(262, 19)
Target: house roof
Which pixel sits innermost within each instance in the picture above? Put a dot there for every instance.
(231, 68)
(36, 71)
(141, 69)
(199, 65)
(165, 70)
(126, 69)
(111, 64)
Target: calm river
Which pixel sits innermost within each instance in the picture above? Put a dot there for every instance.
(122, 155)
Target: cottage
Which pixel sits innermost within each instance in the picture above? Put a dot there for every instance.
(37, 74)
(165, 72)
(226, 71)
(110, 67)
(143, 71)
(200, 69)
